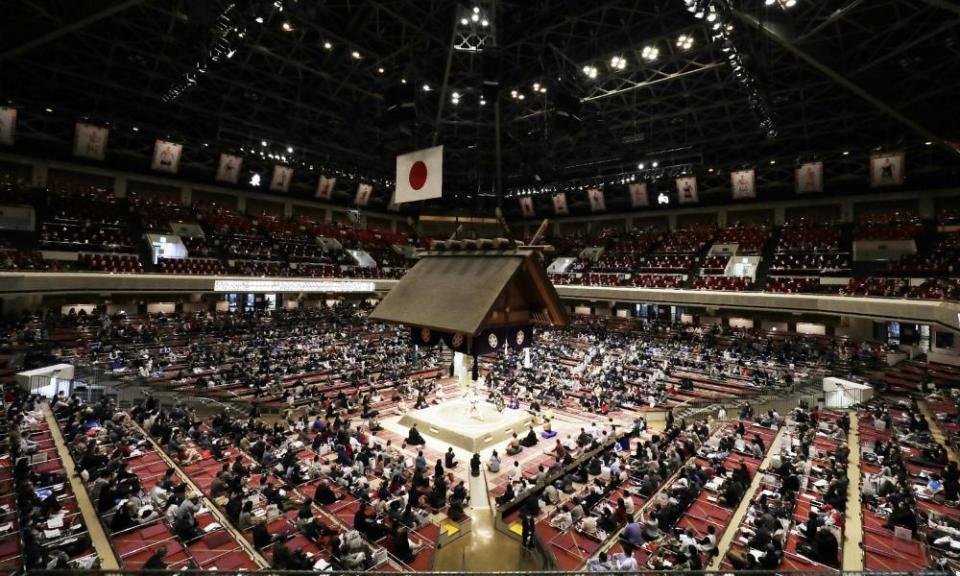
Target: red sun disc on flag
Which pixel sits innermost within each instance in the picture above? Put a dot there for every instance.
(418, 175)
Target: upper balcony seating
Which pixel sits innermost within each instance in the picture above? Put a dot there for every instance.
(823, 238)
(27, 261)
(715, 264)
(889, 225)
(810, 263)
(192, 266)
(727, 283)
(112, 263)
(198, 247)
(791, 285)
(749, 238)
(156, 215)
(85, 236)
(690, 240)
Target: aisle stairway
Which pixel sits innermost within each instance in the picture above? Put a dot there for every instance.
(766, 257)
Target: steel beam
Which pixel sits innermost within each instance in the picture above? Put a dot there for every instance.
(841, 80)
(69, 29)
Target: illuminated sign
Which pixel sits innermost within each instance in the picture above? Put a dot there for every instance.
(327, 286)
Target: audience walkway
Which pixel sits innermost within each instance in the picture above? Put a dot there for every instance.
(737, 519)
(207, 504)
(853, 527)
(108, 560)
(936, 430)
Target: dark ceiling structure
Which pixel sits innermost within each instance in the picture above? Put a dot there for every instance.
(528, 93)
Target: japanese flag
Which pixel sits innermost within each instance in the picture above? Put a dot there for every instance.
(420, 175)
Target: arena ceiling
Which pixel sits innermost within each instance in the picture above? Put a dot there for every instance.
(342, 83)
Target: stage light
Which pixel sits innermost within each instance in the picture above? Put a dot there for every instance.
(48, 110)
(231, 53)
(355, 54)
(475, 17)
(536, 86)
(846, 153)
(289, 149)
(258, 19)
(426, 87)
(464, 21)
(380, 70)
(618, 63)
(520, 96)
(685, 42)
(484, 22)
(650, 53)
(327, 46)
(543, 89)
(927, 143)
(655, 164)
(641, 166)
(483, 102)
(772, 162)
(769, 2)
(455, 98)
(287, 27)
(205, 145)
(403, 80)
(135, 129)
(590, 72)
(263, 142)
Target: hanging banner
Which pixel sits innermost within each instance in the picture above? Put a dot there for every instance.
(809, 178)
(392, 205)
(8, 125)
(424, 337)
(325, 187)
(90, 141)
(526, 207)
(639, 198)
(166, 156)
(597, 202)
(887, 169)
(229, 168)
(560, 204)
(456, 341)
(492, 340)
(687, 190)
(743, 184)
(280, 181)
(363, 194)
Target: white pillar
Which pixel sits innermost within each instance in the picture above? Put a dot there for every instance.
(463, 369)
